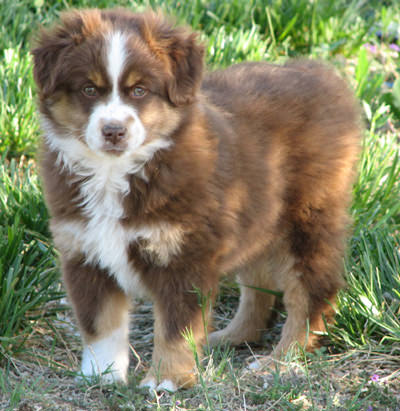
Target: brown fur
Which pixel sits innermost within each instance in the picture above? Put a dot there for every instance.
(97, 312)
(257, 181)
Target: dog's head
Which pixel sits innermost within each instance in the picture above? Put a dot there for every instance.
(113, 79)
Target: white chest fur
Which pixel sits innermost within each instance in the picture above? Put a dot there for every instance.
(101, 237)
(104, 242)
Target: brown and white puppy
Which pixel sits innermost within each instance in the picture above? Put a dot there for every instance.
(159, 180)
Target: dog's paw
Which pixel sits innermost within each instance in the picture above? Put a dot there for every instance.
(110, 367)
(254, 365)
(269, 365)
(265, 363)
(107, 376)
(217, 337)
(151, 384)
(233, 336)
(170, 383)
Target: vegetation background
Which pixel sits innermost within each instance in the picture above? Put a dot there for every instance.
(359, 367)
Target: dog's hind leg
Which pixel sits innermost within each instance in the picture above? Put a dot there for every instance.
(256, 301)
(310, 288)
(250, 319)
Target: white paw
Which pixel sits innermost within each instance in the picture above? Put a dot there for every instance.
(215, 338)
(149, 383)
(108, 375)
(165, 385)
(266, 363)
(107, 358)
(255, 365)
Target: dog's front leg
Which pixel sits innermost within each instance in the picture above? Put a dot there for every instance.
(173, 362)
(102, 311)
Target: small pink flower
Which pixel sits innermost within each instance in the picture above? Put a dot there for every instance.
(394, 47)
(371, 47)
(375, 378)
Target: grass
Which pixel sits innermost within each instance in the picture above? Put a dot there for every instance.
(358, 369)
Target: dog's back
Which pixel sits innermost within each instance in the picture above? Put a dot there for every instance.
(297, 130)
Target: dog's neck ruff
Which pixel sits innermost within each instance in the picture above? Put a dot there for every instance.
(103, 178)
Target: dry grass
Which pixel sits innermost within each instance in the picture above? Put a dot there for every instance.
(44, 377)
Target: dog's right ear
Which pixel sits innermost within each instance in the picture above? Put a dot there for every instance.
(51, 49)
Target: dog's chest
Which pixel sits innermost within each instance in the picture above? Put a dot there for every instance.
(105, 241)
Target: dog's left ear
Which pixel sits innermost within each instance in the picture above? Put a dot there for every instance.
(181, 53)
(186, 56)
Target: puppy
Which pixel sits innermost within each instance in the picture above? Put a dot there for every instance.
(159, 181)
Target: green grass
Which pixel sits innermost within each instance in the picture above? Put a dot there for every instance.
(39, 348)
(18, 121)
(28, 273)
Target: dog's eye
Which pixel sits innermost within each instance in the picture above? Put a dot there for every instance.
(138, 91)
(90, 91)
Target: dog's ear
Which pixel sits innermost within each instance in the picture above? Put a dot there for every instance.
(51, 51)
(181, 53)
(187, 69)
(47, 62)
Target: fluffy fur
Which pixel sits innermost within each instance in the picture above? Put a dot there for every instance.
(160, 180)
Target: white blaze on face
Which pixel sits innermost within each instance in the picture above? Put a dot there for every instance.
(114, 110)
(116, 58)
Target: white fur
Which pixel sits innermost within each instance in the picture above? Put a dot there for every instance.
(163, 242)
(103, 183)
(254, 365)
(165, 385)
(149, 383)
(104, 241)
(116, 56)
(78, 158)
(110, 355)
(102, 238)
(114, 110)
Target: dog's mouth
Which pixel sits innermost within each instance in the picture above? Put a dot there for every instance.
(115, 150)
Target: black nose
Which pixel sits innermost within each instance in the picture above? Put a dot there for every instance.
(114, 132)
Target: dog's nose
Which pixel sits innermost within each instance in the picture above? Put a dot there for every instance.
(114, 132)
